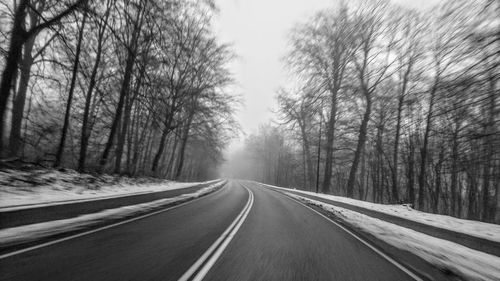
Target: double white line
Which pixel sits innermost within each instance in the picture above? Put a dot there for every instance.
(201, 267)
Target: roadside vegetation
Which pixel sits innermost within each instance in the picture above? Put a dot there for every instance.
(390, 105)
(134, 87)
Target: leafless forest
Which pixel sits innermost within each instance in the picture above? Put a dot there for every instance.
(134, 87)
(385, 103)
(390, 105)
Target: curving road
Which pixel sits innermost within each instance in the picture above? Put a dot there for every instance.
(241, 232)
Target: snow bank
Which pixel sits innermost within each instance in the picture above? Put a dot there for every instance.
(465, 262)
(27, 233)
(474, 228)
(19, 188)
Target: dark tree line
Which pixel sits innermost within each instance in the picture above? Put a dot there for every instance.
(395, 105)
(135, 87)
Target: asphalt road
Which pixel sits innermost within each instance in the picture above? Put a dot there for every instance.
(236, 233)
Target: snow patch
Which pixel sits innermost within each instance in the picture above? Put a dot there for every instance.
(463, 261)
(473, 228)
(27, 233)
(39, 187)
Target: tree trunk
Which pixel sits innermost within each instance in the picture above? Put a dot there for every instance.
(318, 162)
(129, 67)
(20, 98)
(437, 188)
(118, 115)
(454, 174)
(138, 148)
(307, 155)
(395, 187)
(330, 135)
(411, 172)
(67, 114)
(379, 163)
(471, 178)
(126, 119)
(172, 160)
(423, 152)
(361, 189)
(360, 146)
(147, 151)
(486, 183)
(489, 140)
(460, 200)
(18, 37)
(122, 134)
(167, 129)
(401, 99)
(305, 180)
(185, 136)
(85, 132)
(132, 137)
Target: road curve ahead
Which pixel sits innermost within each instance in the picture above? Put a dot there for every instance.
(241, 232)
(284, 240)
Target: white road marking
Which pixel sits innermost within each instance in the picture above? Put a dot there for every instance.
(218, 247)
(382, 254)
(101, 228)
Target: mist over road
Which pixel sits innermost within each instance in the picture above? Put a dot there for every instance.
(241, 232)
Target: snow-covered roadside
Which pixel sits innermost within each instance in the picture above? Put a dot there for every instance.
(27, 233)
(474, 228)
(465, 262)
(20, 188)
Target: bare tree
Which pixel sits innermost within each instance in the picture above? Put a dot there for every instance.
(300, 111)
(19, 35)
(101, 23)
(321, 50)
(74, 75)
(371, 63)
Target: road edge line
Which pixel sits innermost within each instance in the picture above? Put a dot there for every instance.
(366, 243)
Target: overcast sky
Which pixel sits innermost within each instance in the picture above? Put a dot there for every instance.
(258, 30)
